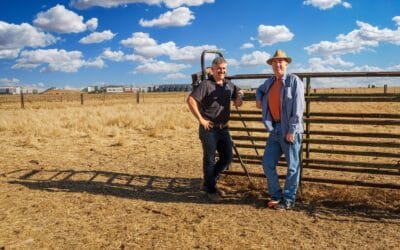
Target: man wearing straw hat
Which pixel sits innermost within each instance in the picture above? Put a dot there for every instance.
(281, 98)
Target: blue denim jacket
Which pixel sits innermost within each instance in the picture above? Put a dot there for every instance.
(292, 104)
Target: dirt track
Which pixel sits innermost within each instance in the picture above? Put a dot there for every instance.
(143, 192)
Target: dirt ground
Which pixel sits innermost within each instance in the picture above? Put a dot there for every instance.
(142, 192)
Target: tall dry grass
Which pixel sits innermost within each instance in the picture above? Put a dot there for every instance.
(152, 119)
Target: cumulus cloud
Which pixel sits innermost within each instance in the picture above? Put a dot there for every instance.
(97, 37)
(174, 76)
(9, 82)
(329, 64)
(355, 41)
(396, 19)
(177, 3)
(232, 62)
(14, 37)
(189, 53)
(92, 24)
(59, 19)
(119, 56)
(160, 67)
(147, 47)
(85, 4)
(247, 46)
(52, 60)
(255, 58)
(116, 56)
(9, 53)
(326, 4)
(178, 17)
(268, 35)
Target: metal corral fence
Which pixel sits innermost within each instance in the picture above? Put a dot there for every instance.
(69, 99)
(349, 148)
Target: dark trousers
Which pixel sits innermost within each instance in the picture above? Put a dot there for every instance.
(213, 140)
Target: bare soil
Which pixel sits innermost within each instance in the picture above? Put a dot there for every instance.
(142, 192)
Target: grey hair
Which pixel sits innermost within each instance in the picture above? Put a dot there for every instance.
(218, 60)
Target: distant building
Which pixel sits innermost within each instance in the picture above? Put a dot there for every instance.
(12, 90)
(112, 89)
(171, 88)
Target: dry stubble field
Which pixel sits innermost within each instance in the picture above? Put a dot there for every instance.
(122, 175)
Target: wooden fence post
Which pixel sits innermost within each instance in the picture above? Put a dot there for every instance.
(81, 98)
(22, 99)
(137, 96)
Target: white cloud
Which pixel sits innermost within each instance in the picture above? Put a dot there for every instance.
(119, 56)
(52, 60)
(334, 61)
(189, 53)
(14, 36)
(96, 63)
(329, 64)
(160, 67)
(147, 47)
(396, 19)
(177, 3)
(97, 37)
(9, 82)
(355, 41)
(323, 4)
(247, 46)
(232, 62)
(9, 53)
(255, 58)
(178, 17)
(268, 35)
(59, 19)
(116, 56)
(347, 5)
(84, 4)
(92, 24)
(174, 76)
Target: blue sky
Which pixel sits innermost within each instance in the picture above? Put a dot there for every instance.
(77, 43)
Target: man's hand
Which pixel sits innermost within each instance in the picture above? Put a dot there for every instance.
(239, 99)
(207, 124)
(258, 104)
(290, 137)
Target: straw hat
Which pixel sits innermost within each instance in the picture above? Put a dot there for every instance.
(279, 54)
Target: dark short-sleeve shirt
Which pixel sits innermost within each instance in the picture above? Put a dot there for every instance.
(215, 100)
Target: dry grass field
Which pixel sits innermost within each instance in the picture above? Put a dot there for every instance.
(120, 175)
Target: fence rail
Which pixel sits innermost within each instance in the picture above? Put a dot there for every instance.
(358, 156)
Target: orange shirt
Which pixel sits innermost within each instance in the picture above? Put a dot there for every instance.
(274, 100)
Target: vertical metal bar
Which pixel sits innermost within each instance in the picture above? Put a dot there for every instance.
(248, 133)
(308, 111)
(307, 130)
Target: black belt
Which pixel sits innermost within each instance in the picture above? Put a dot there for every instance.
(220, 125)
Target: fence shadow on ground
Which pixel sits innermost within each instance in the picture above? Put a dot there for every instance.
(347, 211)
(181, 190)
(144, 187)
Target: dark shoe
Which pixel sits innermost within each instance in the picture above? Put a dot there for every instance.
(203, 188)
(284, 205)
(214, 197)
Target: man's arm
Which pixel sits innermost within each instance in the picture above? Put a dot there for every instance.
(194, 108)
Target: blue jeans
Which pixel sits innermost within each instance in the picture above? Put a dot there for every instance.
(276, 145)
(213, 140)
